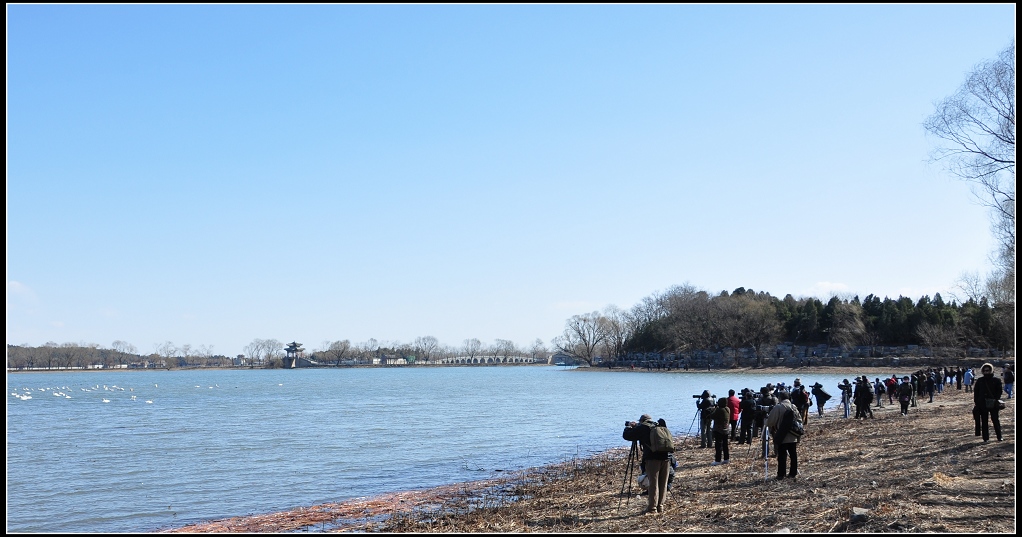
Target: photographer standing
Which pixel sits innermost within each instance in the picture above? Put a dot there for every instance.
(657, 465)
(748, 408)
(767, 401)
(800, 398)
(705, 404)
(721, 418)
(846, 396)
(986, 394)
(821, 397)
(779, 421)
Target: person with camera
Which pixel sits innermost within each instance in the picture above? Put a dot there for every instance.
(846, 396)
(734, 404)
(863, 398)
(986, 394)
(766, 403)
(705, 406)
(721, 417)
(821, 397)
(748, 416)
(800, 398)
(656, 465)
(780, 423)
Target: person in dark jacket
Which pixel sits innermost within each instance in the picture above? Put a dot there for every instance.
(721, 429)
(905, 391)
(800, 398)
(705, 404)
(785, 442)
(845, 388)
(657, 465)
(863, 398)
(821, 397)
(748, 408)
(986, 394)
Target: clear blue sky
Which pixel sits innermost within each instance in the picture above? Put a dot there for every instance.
(214, 174)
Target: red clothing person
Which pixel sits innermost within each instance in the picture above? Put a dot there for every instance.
(733, 403)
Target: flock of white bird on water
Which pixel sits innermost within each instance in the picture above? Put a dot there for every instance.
(65, 392)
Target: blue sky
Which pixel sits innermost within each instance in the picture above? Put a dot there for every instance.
(214, 174)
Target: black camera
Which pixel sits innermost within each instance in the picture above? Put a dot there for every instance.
(696, 396)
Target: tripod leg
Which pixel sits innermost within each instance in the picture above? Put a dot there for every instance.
(628, 475)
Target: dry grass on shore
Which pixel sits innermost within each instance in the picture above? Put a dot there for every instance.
(924, 473)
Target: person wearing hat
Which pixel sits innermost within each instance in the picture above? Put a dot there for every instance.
(657, 465)
(846, 396)
(905, 391)
(721, 419)
(800, 398)
(747, 406)
(767, 401)
(986, 394)
(821, 397)
(785, 441)
(878, 391)
(706, 405)
(863, 398)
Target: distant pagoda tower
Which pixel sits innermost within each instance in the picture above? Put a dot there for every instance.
(294, 352)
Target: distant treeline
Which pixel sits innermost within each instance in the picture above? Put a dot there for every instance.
(684, 319)
(681, 321)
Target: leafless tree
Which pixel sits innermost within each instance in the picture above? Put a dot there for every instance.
(124, 351)
(472, 348)
(338, 350)
(741, 321)
(274, 352)
(204, 353)
(968, 286)
(583, 335)
(618, 324)
(368, 350)
(167, 350)
(688, 323)
(976, 132)
(426, 347)
(942, 340)
(504, 349)
(847, 327)
(68, 354)
(538, 351)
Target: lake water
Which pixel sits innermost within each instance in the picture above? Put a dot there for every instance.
(138, 451)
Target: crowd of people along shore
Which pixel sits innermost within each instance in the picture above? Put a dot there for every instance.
(777, 414)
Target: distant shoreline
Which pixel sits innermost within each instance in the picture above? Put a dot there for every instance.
(912, 363)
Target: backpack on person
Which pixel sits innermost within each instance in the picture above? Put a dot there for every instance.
(792, 424)
(660, 439)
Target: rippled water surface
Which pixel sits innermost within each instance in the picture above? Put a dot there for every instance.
(132, 451)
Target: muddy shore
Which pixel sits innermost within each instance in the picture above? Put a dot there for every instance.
(922, 473)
